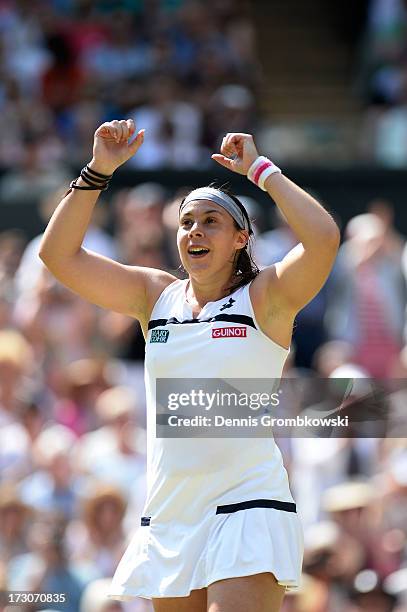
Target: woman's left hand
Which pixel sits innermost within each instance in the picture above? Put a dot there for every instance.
(238, 152)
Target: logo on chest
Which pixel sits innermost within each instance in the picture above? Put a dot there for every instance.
(228, 304)
(229, 332)
(159, 335)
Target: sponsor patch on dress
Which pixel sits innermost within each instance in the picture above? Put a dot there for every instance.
(159, 335)
(229, 332)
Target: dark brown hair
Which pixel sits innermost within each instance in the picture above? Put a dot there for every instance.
(245, 268)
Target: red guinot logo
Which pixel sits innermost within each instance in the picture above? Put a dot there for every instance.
(229, 332)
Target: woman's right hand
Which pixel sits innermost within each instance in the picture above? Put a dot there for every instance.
(111, 146)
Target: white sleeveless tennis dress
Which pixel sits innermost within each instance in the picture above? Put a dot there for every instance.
(216, 508)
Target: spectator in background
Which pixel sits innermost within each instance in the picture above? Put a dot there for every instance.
(324, 463)
(272, 246)
(16, 363)
(81, 119)
(369, 304)
(140, 232)
(330, 356)
(25, 54)
(56, 323)
(230, 106)
(40, 173)
(397, 397)
(97, 239)
(349, 504)
(6, 306)
(241, 34)
(123, 54)
(312, 596)
(174, 127)
(114, 452)
(12, 243)
(355, 507)
(384, 84)
(368, 595)
(48, 569)
(394, 242)
(170, 225)
(98, 541)
(12, 105)
(33, 414)
(203, 53)
(82, 383)
(53, 487)
(11, 248)
(15, 523)
(332, 558)
(385, 44)
(63, 80)
(389, 130)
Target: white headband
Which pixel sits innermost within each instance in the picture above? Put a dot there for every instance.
(221, 198)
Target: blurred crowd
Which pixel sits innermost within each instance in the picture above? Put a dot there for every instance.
(185, 71)
(72, 413)
(383, 82)
(72, 405)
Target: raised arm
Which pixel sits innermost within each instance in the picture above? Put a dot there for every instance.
(294, 281)
(127, 289)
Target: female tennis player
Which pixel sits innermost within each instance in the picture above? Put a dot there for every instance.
(220, 532)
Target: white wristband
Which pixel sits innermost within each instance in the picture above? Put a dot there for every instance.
(260, 170)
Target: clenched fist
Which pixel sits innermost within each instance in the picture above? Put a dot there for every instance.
(238, 152)
(114, 144)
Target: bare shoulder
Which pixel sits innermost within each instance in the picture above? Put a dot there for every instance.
(273, 315)
(264, 290)
(156, 282)
(265, 296)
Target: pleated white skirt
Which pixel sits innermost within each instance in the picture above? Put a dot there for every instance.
(171, 560)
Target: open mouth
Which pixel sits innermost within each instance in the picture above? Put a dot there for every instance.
(197, 252)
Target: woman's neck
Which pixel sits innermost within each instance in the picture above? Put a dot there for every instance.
(199, 294)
